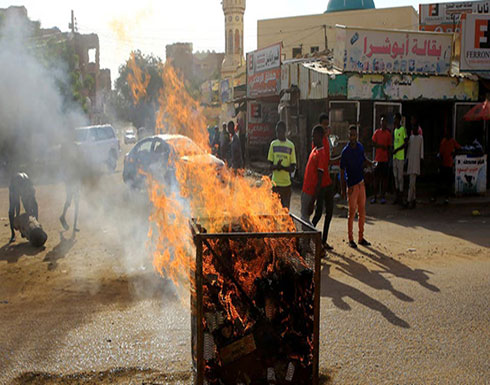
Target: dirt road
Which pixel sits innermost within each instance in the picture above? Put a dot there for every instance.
(411, 309)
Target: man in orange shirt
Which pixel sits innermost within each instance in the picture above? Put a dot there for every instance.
(446, 155)
(382, 143)
(314, 172)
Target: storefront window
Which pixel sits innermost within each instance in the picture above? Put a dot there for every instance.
(342, 115)
(466, 132)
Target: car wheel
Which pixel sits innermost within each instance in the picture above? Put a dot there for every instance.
(112, 161)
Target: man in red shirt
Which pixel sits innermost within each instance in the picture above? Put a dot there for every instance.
(325, 198)
(314, 172)
(446, 155)
(382, 142)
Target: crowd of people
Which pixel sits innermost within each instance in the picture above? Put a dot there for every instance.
(400, 151)
(228, 146)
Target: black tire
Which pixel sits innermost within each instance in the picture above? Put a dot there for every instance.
(112, 161)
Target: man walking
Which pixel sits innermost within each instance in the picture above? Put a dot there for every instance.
(351, 172)
(415, 154)
(325, 198)
(72, 175)
(382, 141)
(282, 158)
(314, 171)
(400, 144)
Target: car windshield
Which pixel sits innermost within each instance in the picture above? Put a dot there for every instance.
(185, 146)
(81, 135)
(129, 132)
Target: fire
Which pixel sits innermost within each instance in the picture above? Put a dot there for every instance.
(138, 80)
(257, 293)
(201, 192)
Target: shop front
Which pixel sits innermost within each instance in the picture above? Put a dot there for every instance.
(263, 90)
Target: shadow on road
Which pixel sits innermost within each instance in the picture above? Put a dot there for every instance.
(369, 277)
(398, 269)
(13, 252)
(338, 291)
(59, 251)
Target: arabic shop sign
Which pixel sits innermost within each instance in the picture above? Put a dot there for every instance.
(397, 87)
(475, 47)
(447, 17)
(264, 72)
(381, 51)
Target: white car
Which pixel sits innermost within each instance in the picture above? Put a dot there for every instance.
(129, 137)
(98, 145)
(155, 154)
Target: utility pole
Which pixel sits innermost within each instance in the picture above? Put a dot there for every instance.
(325, 33)
(73, 24)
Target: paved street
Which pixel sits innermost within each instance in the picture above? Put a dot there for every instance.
(411, 309)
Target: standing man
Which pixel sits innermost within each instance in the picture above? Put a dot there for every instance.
(325, 198)
(314, 171)
(236, 157)
(446, 154)
(382, 141)
(414, 122)
(282, 158)
(215, 142)
(21, 189)
(351, 173)
(399, 145)
(224, 146)
(415, 154)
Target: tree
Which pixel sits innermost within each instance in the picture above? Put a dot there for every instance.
(138, 110)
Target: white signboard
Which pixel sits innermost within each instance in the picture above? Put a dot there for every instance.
(471, 174)
(264, 59)
(379, 51)
(475, 43)
(446, 17)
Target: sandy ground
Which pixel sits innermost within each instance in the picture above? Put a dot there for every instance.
(411, 309)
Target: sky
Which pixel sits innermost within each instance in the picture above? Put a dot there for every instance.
(149, 25)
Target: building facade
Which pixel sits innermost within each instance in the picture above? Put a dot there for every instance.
(303, 35)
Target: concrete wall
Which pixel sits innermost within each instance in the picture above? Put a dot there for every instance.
(309, 30)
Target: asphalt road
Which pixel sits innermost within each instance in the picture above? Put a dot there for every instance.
(412, 309)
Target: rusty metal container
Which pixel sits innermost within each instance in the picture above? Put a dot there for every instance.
(259, 323)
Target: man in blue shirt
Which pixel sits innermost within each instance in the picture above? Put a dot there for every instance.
(352, 165)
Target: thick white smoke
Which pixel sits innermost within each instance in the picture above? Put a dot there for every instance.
(33, 115)
(35, 118)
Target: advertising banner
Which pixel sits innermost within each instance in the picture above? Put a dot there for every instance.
(226, 91)
(447, 17)
(264, 72)
(475, 43)
(395, 87)
(380, 51)
(471, 174)
(262, 118)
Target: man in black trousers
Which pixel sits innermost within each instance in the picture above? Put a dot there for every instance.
(325, 198)
(21, 189)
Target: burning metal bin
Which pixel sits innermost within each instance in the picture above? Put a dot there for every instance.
(256, 306)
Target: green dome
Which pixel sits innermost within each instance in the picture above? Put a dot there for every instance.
(349, 5)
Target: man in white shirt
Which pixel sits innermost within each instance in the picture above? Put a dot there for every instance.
(415, 154)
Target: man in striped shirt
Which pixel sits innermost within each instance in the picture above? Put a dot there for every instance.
(282, 158)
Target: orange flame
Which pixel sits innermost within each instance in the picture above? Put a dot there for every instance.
(216, 200)
(137, 79)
